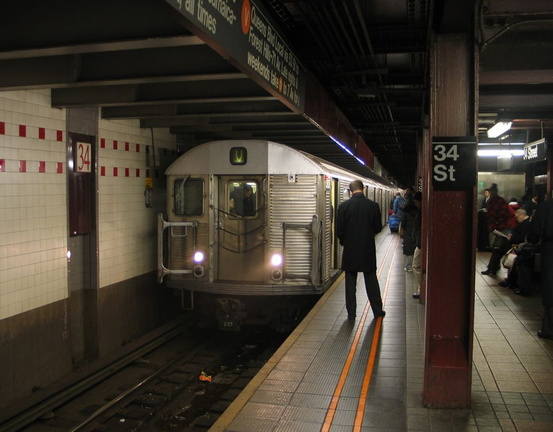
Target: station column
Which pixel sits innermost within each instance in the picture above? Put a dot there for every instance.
(450, 158)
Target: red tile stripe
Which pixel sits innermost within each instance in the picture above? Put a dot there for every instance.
(123, 171)
(27, 131)
(128, 146)
(31, 166)
(42, 133)
(44, 167)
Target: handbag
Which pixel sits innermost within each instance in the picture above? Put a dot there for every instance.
(508, 259)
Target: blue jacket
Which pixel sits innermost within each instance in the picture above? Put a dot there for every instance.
(398, 205)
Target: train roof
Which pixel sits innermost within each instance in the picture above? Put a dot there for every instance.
(263, 157)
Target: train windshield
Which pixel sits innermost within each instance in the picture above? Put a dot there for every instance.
(188, 197)
(242, 198)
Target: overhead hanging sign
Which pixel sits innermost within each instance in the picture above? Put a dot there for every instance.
(454, 163)
(245, 31)
(535, 151)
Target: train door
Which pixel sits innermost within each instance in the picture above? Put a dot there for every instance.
(241, 233)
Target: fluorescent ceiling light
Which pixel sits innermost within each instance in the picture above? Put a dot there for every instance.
(504, 144)
(498, 129)
(495, 153)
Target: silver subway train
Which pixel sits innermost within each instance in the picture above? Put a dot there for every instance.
(249, 232)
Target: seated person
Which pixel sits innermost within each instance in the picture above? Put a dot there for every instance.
(520, 276)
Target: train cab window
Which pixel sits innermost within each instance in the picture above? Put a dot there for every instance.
(242, 198)
(188, 197)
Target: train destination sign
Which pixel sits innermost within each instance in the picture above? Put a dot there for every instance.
(454, 163)
(245, 31)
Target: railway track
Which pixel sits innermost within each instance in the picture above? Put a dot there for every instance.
(182, 378)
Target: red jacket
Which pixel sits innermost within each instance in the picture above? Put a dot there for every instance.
(499, 214)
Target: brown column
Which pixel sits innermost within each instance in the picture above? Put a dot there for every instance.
(449, 221)
(549, 185)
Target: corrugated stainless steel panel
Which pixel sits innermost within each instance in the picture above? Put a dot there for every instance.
(293, 203)
(327, 227)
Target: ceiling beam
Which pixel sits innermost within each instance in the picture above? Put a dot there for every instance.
(149, 43)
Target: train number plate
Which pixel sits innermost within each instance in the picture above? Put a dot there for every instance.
(229, 324)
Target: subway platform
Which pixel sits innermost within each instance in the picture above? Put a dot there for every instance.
(367, 375)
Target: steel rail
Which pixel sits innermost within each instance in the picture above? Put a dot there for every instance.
(47, 405)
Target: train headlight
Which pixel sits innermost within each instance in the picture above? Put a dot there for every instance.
(198, 257)
(199, 269)
(276, 260)
(276, 266)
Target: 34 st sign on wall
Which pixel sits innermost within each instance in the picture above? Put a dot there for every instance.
(454, 163)
(83, 161)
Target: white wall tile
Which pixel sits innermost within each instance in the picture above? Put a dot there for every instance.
(33, 204)
(127, 229)
(33, 219)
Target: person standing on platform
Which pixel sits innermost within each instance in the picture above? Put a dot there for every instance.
(542, 226)
(358, 221)
(500, 220)
(531, 205)
(417, 198)
(399, 201)
(406, 231)
(483, 234)
(485, 200)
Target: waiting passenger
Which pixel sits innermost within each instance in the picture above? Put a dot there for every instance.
(406, 231)
(531, 205)
(542, 226)
(483, 234)
(499, 222)
(417, 198)
(514, 204)
(520, 276)
(358, 221)
(398, 205)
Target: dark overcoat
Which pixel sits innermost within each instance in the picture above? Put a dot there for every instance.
(410, 212)
(358, 221)
(542, 225)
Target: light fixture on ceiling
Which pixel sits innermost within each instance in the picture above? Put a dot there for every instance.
(500, 153)
(499, 128)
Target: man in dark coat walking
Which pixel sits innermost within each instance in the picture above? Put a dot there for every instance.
(542, 225)
(357, 223)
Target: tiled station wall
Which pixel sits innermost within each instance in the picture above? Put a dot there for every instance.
(127, 228)
(33, 196)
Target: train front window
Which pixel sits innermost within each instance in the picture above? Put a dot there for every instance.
(188, 197)
(242, 198)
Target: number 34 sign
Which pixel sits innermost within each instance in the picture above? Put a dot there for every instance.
(82, 157)
(454, 163)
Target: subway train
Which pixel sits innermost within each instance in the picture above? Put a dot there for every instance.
(249, 231)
